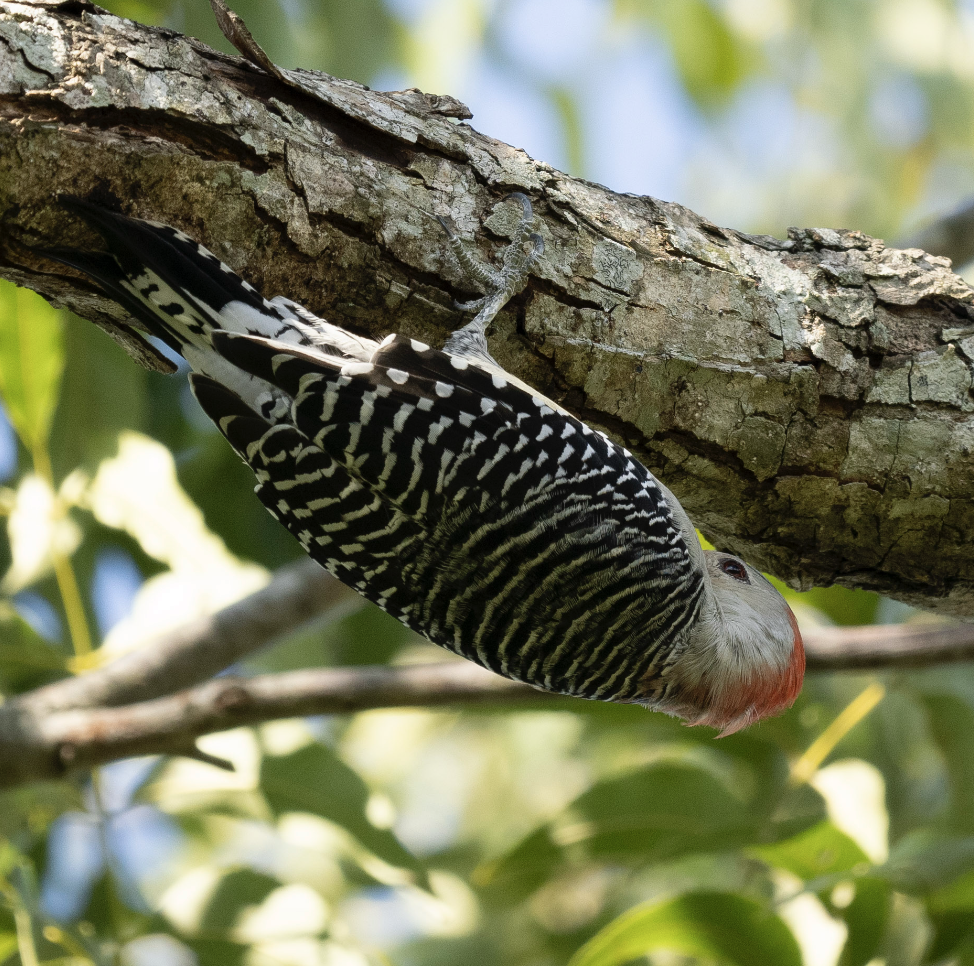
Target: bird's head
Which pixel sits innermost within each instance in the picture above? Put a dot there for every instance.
(744, 659)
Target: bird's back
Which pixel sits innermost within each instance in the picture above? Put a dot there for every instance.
(463, 503)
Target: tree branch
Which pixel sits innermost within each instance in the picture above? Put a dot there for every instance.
(37, 744)
(887, 647)
(809, 400)
(34, 747)
(298, 593)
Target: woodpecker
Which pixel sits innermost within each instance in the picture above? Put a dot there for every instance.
(471, 507)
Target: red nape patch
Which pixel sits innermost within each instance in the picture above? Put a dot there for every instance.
(762, 697)
(771, 696)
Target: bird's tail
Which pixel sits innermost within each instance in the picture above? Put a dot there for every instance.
(180, 292)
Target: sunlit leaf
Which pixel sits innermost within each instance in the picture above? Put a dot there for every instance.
(721, 927)
(8, 945)
(289, 912)
(831, 863)
(31, 361)
(138, 491)
(855, 791)
(313, 779)
(38, 529)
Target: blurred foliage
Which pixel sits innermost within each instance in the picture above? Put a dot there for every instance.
(592, 835)
(31, 362)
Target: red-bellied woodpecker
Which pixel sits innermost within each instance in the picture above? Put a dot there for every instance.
(466, 504)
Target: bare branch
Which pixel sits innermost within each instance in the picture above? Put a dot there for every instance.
(297, 594)
(887, 646)
(36, 745)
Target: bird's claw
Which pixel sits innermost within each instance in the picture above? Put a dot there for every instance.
(516, 263)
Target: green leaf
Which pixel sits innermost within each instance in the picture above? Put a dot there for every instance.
(36, 806)
(8, 945)
(313, 779)
(958, 896)
(658, 813)
(31, 362)
(711, 60)
(217, 952)
(709, 57)
(819, 851)
(103, 393)
(26, 659)
(513, 876)
(925, 860)
(238, 890)
(662, 811)
(951, 911)
(952, 726)
(721, 927)
(866, 918)
(951, 930)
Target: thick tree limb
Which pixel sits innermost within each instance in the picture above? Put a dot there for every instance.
(809, 400)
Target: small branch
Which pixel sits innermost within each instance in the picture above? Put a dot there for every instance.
(887, 647)
(298, 593)
(37, 745)
(197, 754)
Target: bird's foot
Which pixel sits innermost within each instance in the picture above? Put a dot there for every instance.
(500, 286)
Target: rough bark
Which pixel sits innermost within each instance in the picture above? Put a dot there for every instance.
(809, 400)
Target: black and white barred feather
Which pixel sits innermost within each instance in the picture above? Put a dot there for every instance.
(468, 506)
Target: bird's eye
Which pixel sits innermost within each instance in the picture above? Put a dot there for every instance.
(735, 569)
